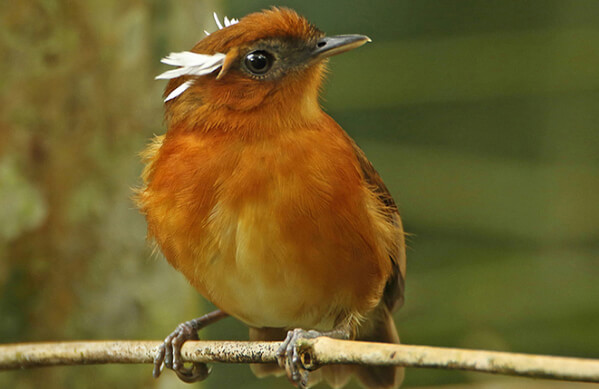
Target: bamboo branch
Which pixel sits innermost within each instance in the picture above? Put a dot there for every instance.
(315, 353)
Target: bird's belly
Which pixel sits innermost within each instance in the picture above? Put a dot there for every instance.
(251, 274)
(257, 275)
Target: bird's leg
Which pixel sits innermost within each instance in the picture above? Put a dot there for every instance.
(169, 353)
(288, 354)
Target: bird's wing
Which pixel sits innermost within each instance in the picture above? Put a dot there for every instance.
(393, 295)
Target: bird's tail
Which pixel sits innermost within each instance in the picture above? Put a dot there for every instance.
(379, 327)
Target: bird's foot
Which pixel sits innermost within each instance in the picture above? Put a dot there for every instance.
(169, 352)
(289, 356)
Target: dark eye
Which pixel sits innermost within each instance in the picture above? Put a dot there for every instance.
(258, 62)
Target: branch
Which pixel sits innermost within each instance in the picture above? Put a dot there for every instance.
(315, 353)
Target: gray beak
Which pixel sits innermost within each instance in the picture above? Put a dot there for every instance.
(333, 45)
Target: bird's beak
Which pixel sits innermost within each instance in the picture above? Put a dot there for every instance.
(333, 45)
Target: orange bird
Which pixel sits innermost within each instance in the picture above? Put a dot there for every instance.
(269, 209)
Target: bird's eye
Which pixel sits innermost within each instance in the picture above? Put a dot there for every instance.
(258, 62)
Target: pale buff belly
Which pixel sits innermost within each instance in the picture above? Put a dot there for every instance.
(251, 273)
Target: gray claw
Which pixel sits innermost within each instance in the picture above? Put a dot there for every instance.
(169, 355)
(288, 356)
(158, 361)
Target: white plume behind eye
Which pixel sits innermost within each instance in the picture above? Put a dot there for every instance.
(193, 64)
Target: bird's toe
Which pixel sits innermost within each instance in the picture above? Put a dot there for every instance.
(169, 355)
(289, 356)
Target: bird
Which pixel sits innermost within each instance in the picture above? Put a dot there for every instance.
(266, 205)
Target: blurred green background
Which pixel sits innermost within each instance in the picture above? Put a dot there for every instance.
(481, 116)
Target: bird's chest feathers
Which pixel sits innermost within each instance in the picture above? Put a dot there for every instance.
(275, 233)
(252, 258)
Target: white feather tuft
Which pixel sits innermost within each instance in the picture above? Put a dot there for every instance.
(190, 64)
(220, 26)
(193, 64)
(226, 21)
(190, 59)
(178, 90)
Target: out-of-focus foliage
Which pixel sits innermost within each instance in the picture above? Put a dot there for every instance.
(481, 116)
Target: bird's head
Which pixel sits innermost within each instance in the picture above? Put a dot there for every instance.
(270, 60)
